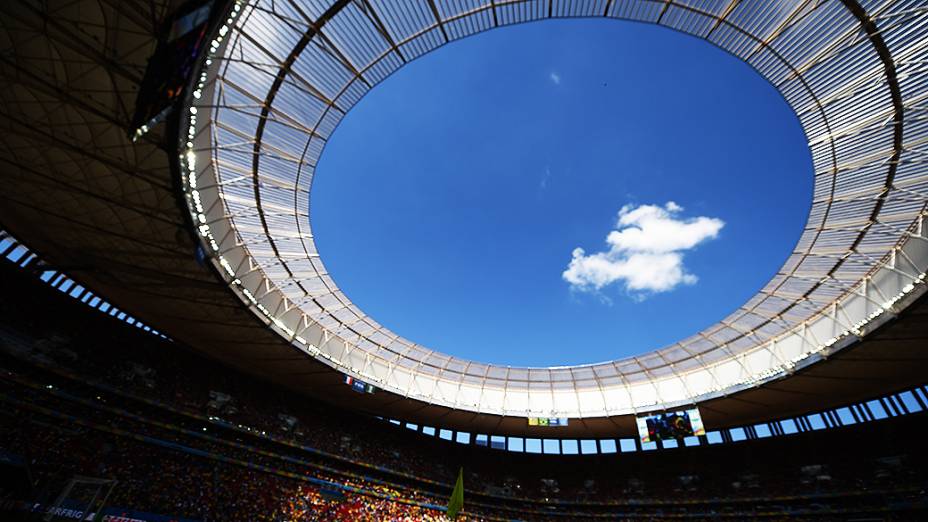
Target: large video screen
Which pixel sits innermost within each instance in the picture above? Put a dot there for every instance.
(671, 425)
(181, 40)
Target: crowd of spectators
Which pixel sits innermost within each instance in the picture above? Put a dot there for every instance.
(243, 485)
(178, 483)
(249, 448)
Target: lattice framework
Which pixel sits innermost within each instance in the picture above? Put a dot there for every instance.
(283, 73)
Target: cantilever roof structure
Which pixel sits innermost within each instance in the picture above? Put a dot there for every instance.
(280, 75)
(109, 213)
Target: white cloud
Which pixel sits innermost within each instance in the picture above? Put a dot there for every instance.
(555, 77)
(645, 252)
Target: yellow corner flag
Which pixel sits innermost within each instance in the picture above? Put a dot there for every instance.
(456, 502)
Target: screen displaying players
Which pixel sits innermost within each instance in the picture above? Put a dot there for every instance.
(671, 425)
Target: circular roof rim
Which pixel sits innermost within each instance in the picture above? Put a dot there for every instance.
(528, 371)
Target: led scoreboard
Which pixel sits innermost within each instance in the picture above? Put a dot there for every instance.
(359, 385)
(547, 421)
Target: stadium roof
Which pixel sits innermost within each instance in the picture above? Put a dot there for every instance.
(106, 210)
(283, 74)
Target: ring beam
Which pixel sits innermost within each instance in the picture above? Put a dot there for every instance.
(280, 76)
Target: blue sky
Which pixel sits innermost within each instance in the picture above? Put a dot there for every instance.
(561, 192)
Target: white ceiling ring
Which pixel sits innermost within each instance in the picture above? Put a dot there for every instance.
(282, 74)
